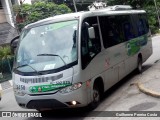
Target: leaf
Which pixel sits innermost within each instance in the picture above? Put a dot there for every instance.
(40, 10)
(5, 53)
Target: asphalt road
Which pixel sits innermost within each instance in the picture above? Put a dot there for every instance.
(124, 96)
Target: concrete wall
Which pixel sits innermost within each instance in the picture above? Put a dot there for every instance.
(2, 16)
(24, 1)
(27, 1)
(17, 2)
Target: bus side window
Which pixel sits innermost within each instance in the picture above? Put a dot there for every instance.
(111, 30)
(141, 30)
(146, 25)
(89, 47)
(128, 31)
(114, 32)
(143, 26)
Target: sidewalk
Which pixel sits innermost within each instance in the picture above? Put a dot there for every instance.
(149, 82)
(6, 85)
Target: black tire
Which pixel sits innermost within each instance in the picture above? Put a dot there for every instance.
(139, 65)
(96, 97)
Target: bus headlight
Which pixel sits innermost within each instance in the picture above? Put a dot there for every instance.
(71, 88)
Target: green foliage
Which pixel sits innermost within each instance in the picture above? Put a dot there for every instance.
(25, 9)
(152, 18)
(16, 8)
(6, 59)
(39, 10)
(5, 53)
(43, 9)
(147, 5)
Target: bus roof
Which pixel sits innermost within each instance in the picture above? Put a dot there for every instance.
(70, 16)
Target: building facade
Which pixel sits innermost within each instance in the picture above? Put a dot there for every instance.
(6, 11)
(7, 20)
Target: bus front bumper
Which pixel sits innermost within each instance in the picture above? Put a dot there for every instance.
(76, 98)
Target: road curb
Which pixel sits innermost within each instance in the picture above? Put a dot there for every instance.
(148, 91)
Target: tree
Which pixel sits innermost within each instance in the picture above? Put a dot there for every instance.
(152, 18)
(147, 5)
(39, 10)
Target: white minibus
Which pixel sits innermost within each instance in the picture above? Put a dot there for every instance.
(70, 60)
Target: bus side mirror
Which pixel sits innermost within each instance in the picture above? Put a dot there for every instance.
(91, 33)
(13, 44)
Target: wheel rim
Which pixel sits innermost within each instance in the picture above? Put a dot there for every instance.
(96, 96)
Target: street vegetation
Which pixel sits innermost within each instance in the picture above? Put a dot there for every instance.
(148, 5)
(6, 63)
(41, 9)
(29, 13)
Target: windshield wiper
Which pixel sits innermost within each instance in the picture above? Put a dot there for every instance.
(39, 73)
(53, 55)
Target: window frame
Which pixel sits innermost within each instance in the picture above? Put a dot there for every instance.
(83, 66)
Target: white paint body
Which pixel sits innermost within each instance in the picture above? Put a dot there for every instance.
(110, 64)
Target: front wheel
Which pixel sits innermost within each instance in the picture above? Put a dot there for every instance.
(96, 97)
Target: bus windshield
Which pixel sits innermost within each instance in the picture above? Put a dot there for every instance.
(47, 47)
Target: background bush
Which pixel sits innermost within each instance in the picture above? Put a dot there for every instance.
(6, 63)
(27, 13)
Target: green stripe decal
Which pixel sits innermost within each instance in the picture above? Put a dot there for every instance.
(134, 45)
(46, 88)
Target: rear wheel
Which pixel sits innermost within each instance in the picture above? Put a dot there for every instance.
(139, 65)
